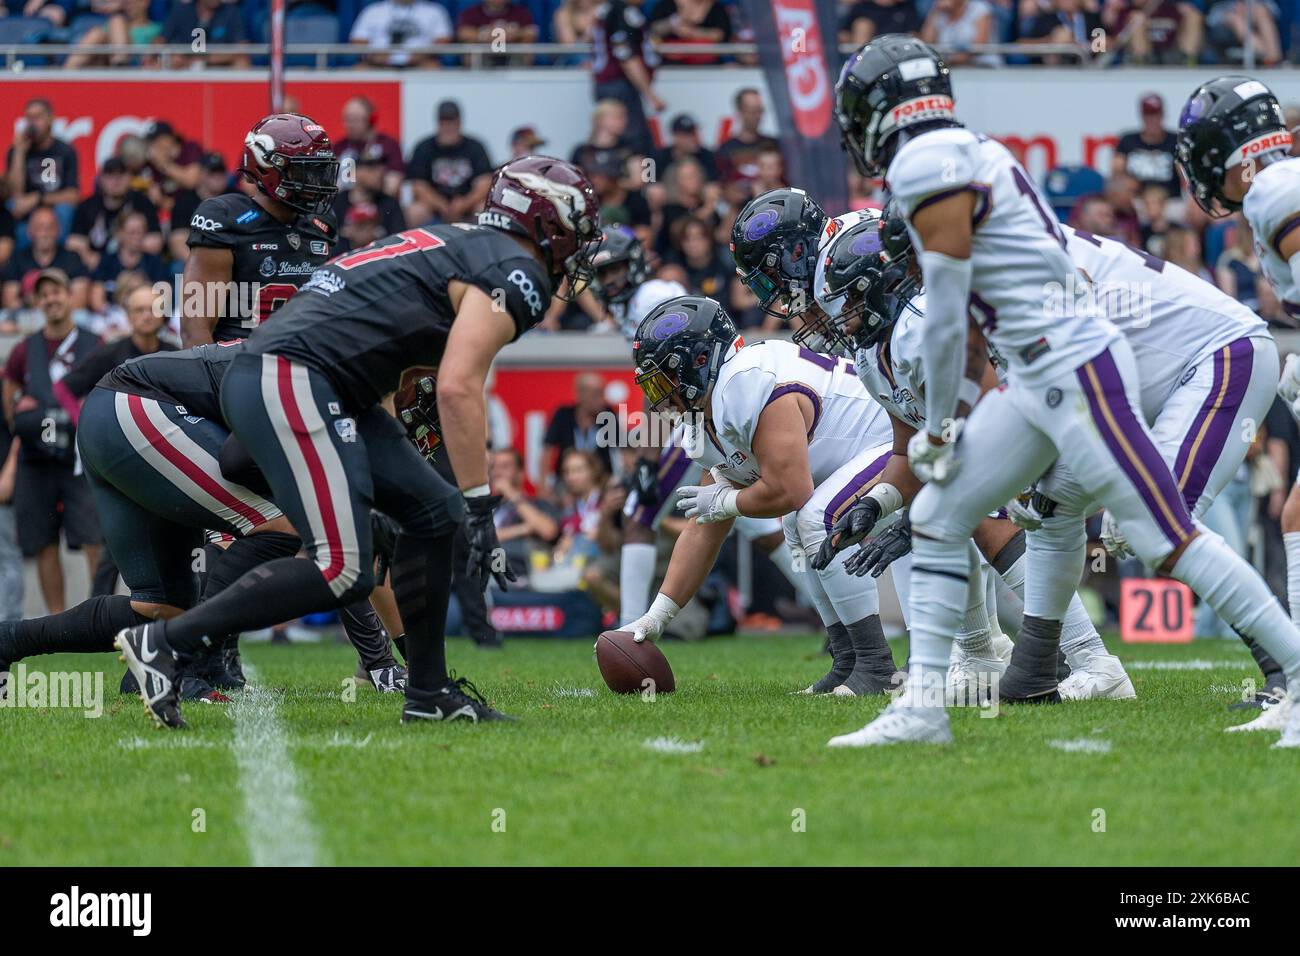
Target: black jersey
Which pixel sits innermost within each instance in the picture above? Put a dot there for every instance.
(272, 259)
(190, 378)
(370, 314)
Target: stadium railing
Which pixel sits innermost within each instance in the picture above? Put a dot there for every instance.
(473, 55)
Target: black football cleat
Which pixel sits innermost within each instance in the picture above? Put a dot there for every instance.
(219, 667)
(458, 699)
(197, 689)
(156, 670)
(386, 680)
(129, 684)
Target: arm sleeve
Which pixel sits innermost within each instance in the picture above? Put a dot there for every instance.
(947, 285)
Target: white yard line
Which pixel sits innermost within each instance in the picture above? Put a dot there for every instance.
(1081, 745)
(673, 745)
(277, 821)
(1194, 664)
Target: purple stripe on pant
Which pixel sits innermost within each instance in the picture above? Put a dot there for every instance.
(1233, 365)
(854, 488)
(1163, 501)
(673, 465)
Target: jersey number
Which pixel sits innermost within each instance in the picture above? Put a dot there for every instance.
(1154, 263)
(269, 298)
(1027, 189)
(414, 240)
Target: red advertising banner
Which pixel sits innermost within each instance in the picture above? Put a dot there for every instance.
(95, 114)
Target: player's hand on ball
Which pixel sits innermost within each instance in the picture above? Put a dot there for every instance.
(882, 550)
(486, 556)
(850, 528)
(934, 462)
(708, 503)
(1112, 538)
(1023, 514)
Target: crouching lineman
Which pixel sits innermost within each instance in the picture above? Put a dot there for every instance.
(795, 435)
(989, 246)
(304, 398)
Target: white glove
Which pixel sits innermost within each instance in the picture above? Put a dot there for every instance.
(1112, 538)
(651, 624)
(709, 503)
(931, 462)
(1023, 514)
(1288, 386)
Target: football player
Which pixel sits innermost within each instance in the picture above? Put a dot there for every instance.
(989, 246)
(304, 398)
(796, 437)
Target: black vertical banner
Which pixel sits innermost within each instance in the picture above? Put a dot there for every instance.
(797, 51)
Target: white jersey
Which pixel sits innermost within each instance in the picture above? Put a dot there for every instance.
(892, 371)
(1172, 319)
(845, 417)
(832, 229)
(1018, 251)
(648, 295)
(1272, 207)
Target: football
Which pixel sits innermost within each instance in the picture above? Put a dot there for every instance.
(627, 666)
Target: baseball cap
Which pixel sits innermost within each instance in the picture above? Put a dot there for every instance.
(527, 134)
(362, 212)
(448, 110)
(159, 128)
(113, 165)
(684, 123)
(1151, 104)
(213, 163)
(51, 275)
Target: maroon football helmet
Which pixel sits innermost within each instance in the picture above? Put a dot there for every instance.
(550, 202)
(290, 158)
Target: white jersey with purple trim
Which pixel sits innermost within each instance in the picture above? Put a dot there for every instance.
(846, 418)
(1272, 207)
(647, 296)
(1018, 252)
(892, 371)
(832, 229)
(1172, 319)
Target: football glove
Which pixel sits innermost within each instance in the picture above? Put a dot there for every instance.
(1112, 538)
(709, 503)
(486, 556)
(383, 533)
(644, 480)
(650, 625)
(931, 462)
(851, 527)
(882, 550)
(1288, 387)
(1023, 513)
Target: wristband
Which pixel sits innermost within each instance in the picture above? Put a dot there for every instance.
(663, 610)
(729, 503)
(887, 496)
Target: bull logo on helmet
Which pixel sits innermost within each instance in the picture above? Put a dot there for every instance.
(261, 145)
(567, 200)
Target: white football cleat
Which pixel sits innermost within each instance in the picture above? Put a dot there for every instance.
(1102, 678)
(1291, 731)
(1274, 717)
(900, 723)
(969, 676)
(1003, 646)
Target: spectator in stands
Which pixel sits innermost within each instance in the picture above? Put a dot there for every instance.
(391, 24)
(144, 325)
(128, 254)
(524, 142)
(41, 169)
(370, 171)
(51, 10)
(619, 206)
(7, 229)
(1062, 21)
(1237, 270)
(50, 495)
(771, 172)
(360, 225)
(624, 66)
(1147, 154)
(609, 143)
(1228, 22)
(173, 163)
(737, 157)
(685, 144)
(574, 22)
(497, 22)
(1094, 215)
(690, 21)
(525, 525)
(708, 270)
(361, 138)
(1153, 207)
(214, 180)
(1183, 248)
(583, 425)
(956, 26)
(688, 193)
(11, 558)
(215, 22)
(45, 252)
(1156, 31)
(92, 224)
(129, 23)
(449, 171)
(871, 18)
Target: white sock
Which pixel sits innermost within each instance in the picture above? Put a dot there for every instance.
(940, 572)
(1239, 595)
(636, 572)
(784, 562)
(975, 636)
(1079, 639)
(1291, 541)
(991, 602)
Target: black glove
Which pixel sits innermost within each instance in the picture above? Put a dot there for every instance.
(644, 480)
(486, 556)
(882, 550)
(851, 527)
(383, 535)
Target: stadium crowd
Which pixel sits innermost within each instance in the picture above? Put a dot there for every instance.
(680, 197)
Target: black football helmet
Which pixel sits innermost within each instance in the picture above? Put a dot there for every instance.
(774, 243)
(620, 265)
(1225, 123)
(679, 349)
(895, 83)
(873, 282)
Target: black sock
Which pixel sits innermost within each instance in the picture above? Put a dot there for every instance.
(270, 594)
(87, 628)
(244, 554)
(1274, 677)
(400, 643)
(367, 635)
(1010, 553)
(421, 576)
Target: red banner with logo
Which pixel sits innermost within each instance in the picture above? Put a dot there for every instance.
(94, 115)
(796, 49)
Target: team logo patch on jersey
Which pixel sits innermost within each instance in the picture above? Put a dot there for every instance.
(194, 419)
(528, 290)
(293, 239)
(204, 223)
(180, 410)
(320, 247)
(334, 408)
(265, 247)
(1188, 376)
(347, 429)
(1054, 396)
(247, 216)
(324, 282)
(267, 268)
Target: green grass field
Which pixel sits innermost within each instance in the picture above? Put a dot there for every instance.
(295, 774)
